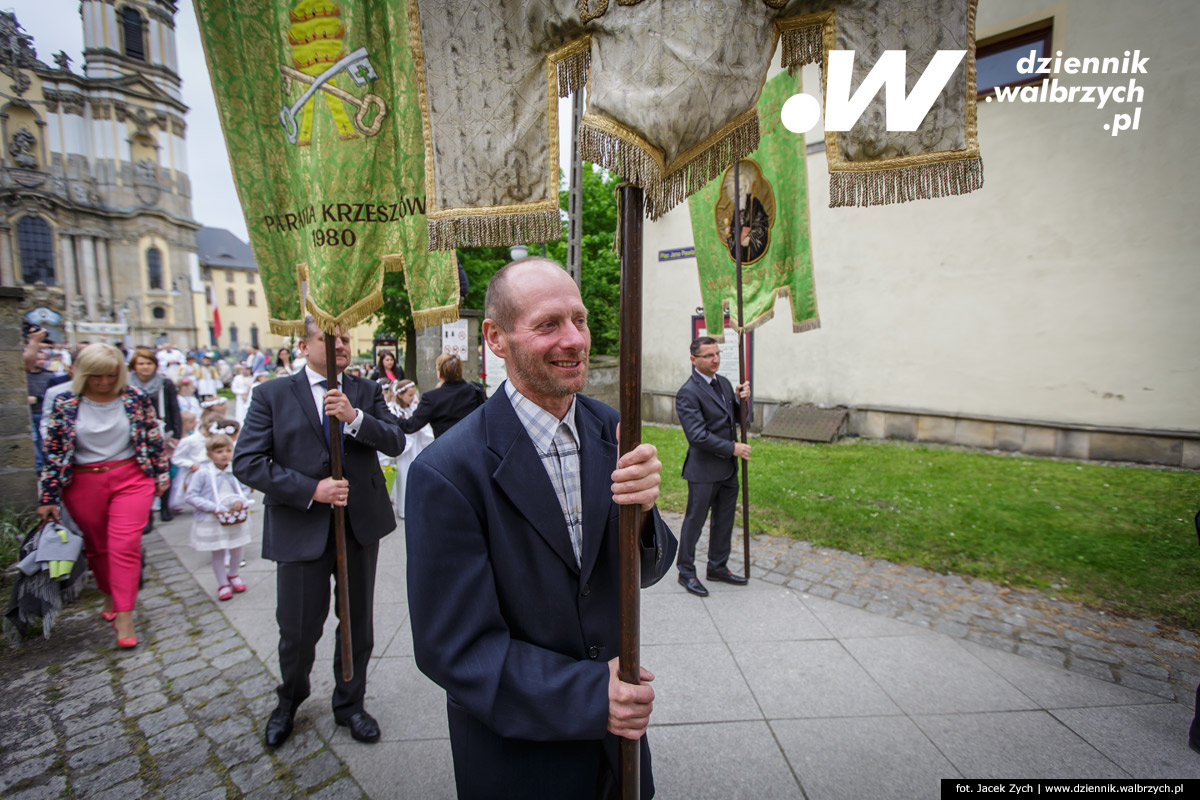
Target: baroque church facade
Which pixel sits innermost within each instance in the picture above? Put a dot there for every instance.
(95, 200)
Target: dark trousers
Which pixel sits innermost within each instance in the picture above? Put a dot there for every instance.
(721, 500)
(302, 597)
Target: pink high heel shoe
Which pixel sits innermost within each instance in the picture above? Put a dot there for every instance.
(127, 642)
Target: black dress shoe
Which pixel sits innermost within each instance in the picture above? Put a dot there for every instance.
(725, 576)
(1194, 744)
(279, 726)
(693, 585)
(363, 727)
(166, 514)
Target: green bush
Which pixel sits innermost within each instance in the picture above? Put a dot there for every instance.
(14, 525)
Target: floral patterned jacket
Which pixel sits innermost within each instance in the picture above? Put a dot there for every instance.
(59, 446)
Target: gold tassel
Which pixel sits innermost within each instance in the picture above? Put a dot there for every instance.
(626, 159)
(286, 327)
(434, 316)
(920, 182)
(572, 71)
(694, 174)
(807, 325)
(492, 230)
(350, 318)
(802, 46)
(640, 168)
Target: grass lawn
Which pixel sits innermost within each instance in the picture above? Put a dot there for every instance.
(1117, 536)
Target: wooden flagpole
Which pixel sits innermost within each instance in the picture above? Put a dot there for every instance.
(630, 519)
(743, 408)
(339, 517)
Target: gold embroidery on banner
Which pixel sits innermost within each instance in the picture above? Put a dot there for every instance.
(587, 15)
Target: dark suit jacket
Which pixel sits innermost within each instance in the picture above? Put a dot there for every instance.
(282, 452)
(444, 406)
(709, 427)
(503, 619)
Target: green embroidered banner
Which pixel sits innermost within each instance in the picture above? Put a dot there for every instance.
(776, 245)
(319, 106)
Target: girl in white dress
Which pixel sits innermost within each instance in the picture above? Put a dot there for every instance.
(414, 443)
(219, 525)
(187, 397)
(241, 384)
(191, 454)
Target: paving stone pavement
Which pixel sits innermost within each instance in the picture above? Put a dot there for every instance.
(179, 716)
(1137, 653)
(176, 717)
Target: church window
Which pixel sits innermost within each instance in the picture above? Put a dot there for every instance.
(36, 242)
(159, 312)
(154, 270)
(134, 30)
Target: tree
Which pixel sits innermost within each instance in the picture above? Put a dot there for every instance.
(601, 270)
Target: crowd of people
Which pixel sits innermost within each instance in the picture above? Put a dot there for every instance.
(125, 434)
(510, 508)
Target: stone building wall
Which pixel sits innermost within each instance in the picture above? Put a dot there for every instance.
(18, 478)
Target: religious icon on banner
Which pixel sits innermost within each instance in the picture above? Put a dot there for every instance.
(757, 200)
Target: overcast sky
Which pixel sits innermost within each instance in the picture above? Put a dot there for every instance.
(56, 25)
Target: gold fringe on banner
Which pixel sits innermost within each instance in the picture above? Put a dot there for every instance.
(435, 316)
(571, 64)
(782, 293)
(804, 39)
(619, 149)
(918, 182)
(802, 46)
(286, 327)
(348, 319)
(491, 230)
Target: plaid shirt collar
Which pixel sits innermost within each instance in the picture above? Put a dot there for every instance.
(539, 423)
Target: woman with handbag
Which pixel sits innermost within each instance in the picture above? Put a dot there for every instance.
(105, 462)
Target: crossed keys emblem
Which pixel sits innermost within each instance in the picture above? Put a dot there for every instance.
(358, 66)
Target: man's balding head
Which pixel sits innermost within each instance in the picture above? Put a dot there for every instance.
(502, 303)
(537, 323)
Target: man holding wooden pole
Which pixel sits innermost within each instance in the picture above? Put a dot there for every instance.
(286, 452)
(511, 526)
(707, 409)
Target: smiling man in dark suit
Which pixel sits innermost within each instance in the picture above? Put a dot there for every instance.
(511, 525)
(707, 410)
(283, 451)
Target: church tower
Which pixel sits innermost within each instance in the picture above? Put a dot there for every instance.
(95, 198)
(131, 37)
